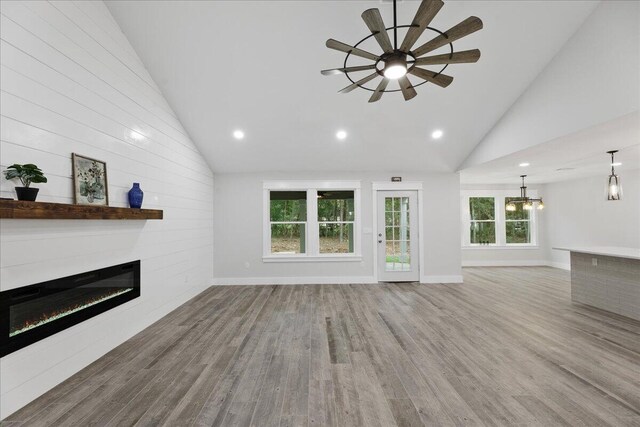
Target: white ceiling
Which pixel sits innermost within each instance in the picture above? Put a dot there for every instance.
(577, 155)
(255, 66)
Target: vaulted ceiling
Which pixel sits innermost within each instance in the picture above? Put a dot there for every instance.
(255, 66)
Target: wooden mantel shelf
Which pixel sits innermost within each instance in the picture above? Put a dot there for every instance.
(40, 210)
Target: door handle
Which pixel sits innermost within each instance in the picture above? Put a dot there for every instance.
(379, 241)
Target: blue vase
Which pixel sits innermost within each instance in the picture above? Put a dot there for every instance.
(135, 196)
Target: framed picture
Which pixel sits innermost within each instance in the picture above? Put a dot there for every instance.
(89, 181)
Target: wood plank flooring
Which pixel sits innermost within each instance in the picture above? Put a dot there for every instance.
(507, 347)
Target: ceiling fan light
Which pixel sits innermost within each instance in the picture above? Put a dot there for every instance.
(394, 71)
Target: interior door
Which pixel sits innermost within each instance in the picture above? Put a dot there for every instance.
(397, 236)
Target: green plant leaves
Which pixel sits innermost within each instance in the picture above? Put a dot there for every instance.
(26, 173)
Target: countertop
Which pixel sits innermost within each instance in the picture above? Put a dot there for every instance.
(614, 251)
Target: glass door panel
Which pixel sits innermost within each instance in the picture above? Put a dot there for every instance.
(397, 248)
(397, 236)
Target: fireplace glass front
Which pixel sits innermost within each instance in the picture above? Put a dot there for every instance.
(34, 312)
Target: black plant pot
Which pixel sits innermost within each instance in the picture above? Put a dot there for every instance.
(27, 193)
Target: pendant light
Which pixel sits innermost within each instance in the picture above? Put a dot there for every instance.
(614, 189)
(527, 202)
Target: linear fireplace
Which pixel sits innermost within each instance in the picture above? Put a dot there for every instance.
(34, 312)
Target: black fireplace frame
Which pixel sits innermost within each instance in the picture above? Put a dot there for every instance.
(10, 344)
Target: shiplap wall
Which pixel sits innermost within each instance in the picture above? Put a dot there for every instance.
(72, 83)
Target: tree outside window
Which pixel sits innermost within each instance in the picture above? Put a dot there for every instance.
(482, 214)
(336, 217)
(288, 217)
(517, 224)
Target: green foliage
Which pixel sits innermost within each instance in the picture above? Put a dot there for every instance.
(483, 232)
(291, 206)
(335, 210)
(286, 207)
(519, 213)
(517, 231)
(26, 173)
(482, 208)
(517, 224)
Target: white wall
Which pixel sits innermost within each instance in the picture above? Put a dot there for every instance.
(592, 80)
(238, 231)
(578, 214)
(72, 83)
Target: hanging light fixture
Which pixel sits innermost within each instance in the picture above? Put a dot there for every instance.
(399, 58)
(614, 189)
(527, 202)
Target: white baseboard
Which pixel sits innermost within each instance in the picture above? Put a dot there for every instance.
(516, 263)
(301, 280)
(441, 279)
(318, 280)
(504, 263)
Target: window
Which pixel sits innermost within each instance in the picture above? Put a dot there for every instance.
(288, 218)
(482, 214)
(309, 221)
(336, 219)
(397, 232)
(517, 224)
(487, 224)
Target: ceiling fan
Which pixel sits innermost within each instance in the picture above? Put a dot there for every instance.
(394, 63)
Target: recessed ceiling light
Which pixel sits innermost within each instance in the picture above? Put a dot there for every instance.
(238, 134)
(616, 164)
(523, 165)
(437, 134)
(341, 135)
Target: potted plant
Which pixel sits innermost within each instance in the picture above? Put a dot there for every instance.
(26, 174)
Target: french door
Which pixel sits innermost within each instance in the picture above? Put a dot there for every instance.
(397, 236)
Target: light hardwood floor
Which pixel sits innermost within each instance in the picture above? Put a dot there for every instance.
(507, 347)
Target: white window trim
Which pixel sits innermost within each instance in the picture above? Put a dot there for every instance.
(499, 196)
(312, 237)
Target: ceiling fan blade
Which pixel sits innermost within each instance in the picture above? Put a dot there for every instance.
(377, 94)
(335, 71)
(426, 12)
(343, 47)
(407, 89)
(359, 82)
(464, 57)
(374, 21)
(466, 27)
(441, 80)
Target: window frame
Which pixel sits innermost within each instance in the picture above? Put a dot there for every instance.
(343, 222)
(531, 214)
(494, 220)
(312, 228)
(305, 222)
(500, 220)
